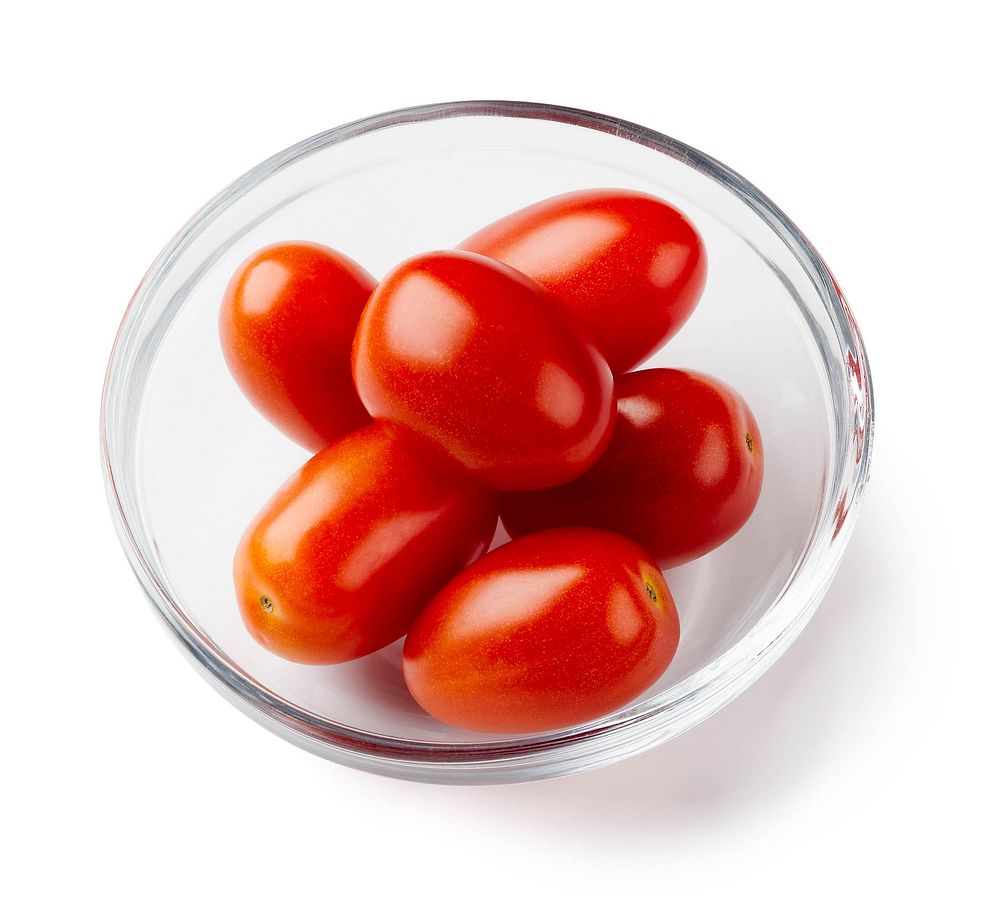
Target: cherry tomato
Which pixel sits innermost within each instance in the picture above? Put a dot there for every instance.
(681, 475)
(548, 631)
(347, 552)
(287, 323)
(629, 266)
(478, 364)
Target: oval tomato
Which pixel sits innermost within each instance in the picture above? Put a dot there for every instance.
(344, 556)
(548, 631)
(682, 473)
(476, 363)
(628, 266)
(287, 323)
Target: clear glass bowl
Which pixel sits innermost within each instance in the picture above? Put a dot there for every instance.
(188, 461)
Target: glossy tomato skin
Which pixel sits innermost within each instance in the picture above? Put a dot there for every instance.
(627, 265)
(343, 557)
(475, 362)
(681, 475)
(545, 632)
(286, 324)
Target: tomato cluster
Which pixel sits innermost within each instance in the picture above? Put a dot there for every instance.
(491, 380)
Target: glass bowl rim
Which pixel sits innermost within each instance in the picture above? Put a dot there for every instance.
(621, 733)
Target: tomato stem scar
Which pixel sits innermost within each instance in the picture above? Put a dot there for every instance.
(651, 592)
(749, 443)
(266, 604)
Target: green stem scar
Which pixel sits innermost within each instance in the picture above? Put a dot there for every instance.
(266, 604)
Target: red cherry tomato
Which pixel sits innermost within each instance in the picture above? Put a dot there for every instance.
(548, 631)
(287, 323)
(629, 266)
(681, 475)
(476, 363)
(344, 556)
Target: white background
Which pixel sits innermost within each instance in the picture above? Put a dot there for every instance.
(857, 779)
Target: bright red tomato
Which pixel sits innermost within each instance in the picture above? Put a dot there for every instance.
(287, 323)
(629, 266)
(545, 632)
(343, 557)
(681, 475)
(478, 364)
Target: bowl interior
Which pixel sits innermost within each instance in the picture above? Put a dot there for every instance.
(196, 461)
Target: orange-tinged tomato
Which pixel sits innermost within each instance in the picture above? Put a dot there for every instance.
(287, 323)
(479, 366)
(344, 556)
(681, 476)
(629, 267)
(545, 632)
